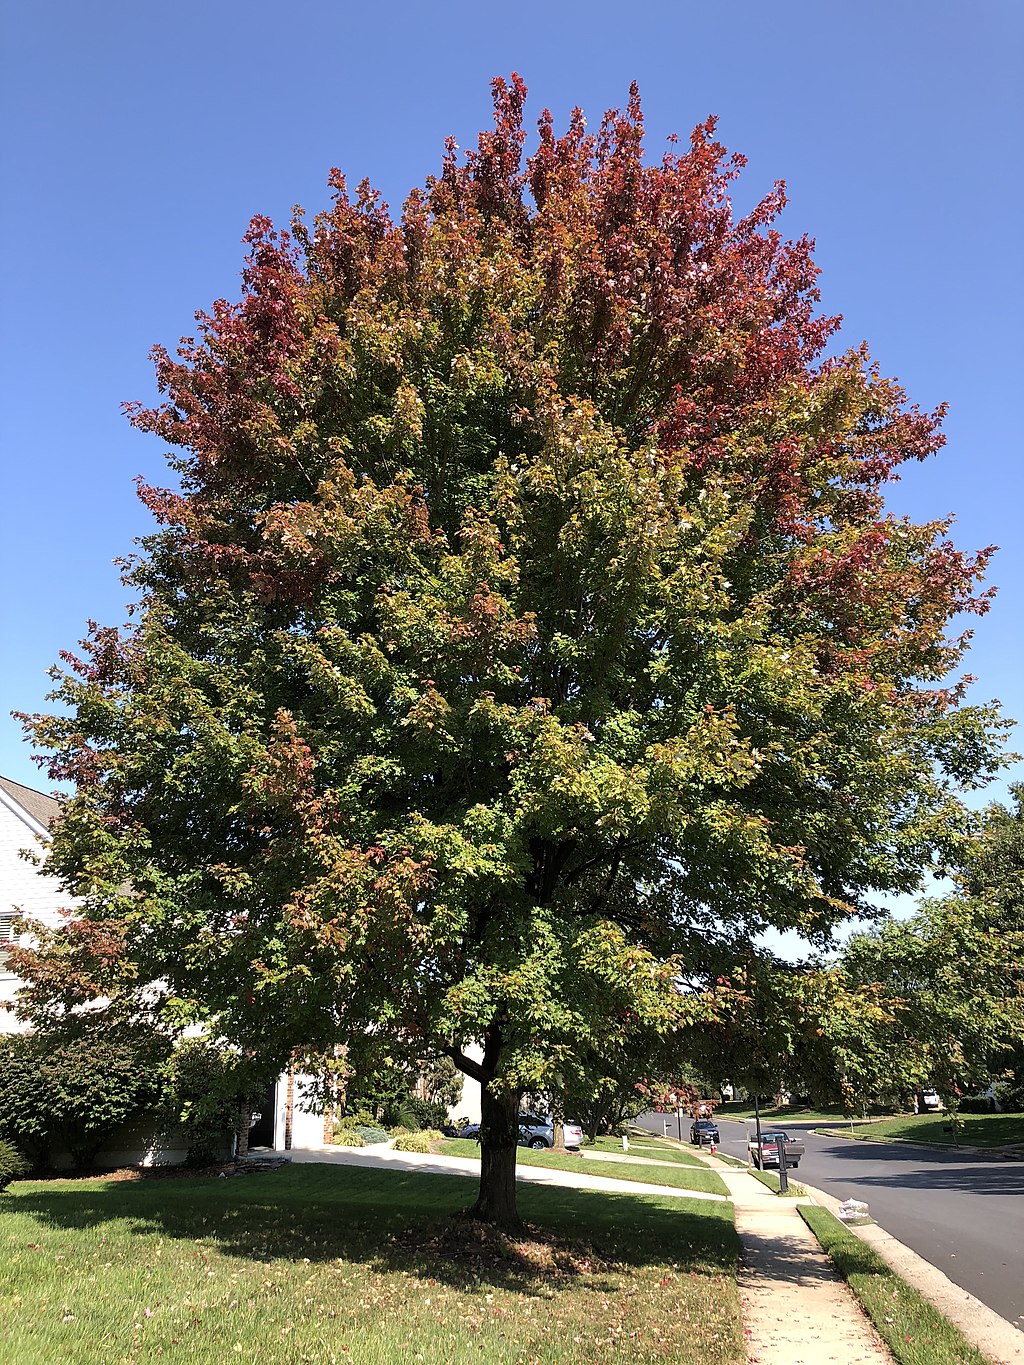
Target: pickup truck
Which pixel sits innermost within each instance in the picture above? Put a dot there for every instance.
(769, 1153)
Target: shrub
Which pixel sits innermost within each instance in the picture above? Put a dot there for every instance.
(348, 1137)
(80, 1087)
(976, 1104)
(371, 1134)
(201, 1099)
(360, 1118)
(1011, 1095)
(413, 1142)
(423, 1113)
(13, 1165)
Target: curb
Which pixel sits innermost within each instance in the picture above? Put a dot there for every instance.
(995, 1336)
(1006, 1153)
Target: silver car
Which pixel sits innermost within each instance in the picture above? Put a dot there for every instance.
(538, 1131)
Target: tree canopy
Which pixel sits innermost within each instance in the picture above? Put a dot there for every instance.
(525, 632)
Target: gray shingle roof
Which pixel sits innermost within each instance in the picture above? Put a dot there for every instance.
(40, 806)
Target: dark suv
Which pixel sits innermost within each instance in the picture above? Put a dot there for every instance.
(703, 1132)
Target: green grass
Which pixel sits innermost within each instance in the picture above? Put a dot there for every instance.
(685, 1177)
(771, 1179)
(979, 1130)
(915, 1331)
(651, 1148)
(796, 1113)
(332, 1264)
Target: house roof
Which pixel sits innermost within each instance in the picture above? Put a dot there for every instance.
(41, 807)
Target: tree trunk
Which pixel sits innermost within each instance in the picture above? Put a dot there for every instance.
(499, 1134)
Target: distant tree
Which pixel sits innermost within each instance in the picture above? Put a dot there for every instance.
(951, 976)
(525, 633)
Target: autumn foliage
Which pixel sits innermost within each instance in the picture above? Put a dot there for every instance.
(525, 630)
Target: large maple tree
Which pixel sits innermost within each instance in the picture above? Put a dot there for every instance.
(525, 632)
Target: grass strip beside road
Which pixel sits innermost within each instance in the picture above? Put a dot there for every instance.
(777, 1117)
(771, 1180)
(913, 1329)
(682, 1177)
(331, 1264)
(978, 1130)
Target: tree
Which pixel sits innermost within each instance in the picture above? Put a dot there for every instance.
(526, 632)
(950, 976)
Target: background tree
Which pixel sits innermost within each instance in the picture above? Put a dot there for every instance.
(526, 632)
(950, 976)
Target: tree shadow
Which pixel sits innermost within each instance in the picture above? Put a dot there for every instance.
(401, 1221)
(906, 1168)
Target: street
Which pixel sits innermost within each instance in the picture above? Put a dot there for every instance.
(962, 1212)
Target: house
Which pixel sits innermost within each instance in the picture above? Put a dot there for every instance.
(25, 817)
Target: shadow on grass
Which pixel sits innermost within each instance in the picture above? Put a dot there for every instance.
(393, 1220)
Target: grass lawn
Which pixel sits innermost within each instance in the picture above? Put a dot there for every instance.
(796, 1113)
(915, 1332)
(679, 1176)
(334, 1264)
(979, 1130)
(654, 1149)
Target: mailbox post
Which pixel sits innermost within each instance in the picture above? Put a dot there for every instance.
(783, 1171)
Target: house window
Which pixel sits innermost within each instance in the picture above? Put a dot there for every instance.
(6, 935)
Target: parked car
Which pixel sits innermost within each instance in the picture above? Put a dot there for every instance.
(768, 1155)
(534, 1131)
(703, 1132)
(929, 1102)
(538, 1131)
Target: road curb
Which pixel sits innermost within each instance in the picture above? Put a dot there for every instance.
(1006, 1153)
(993, 1335)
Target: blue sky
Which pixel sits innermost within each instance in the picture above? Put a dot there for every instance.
(141, 138)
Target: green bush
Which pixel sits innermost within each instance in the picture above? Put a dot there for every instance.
(976, 1104)
(13, 1165)
(371, 1134)
(359, 1118)
(348, 1137)
(423, 1113)
(412, 1142)
(201, 1099)
(1011, 1095)
(78, 1088)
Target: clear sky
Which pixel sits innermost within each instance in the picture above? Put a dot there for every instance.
(140, 138)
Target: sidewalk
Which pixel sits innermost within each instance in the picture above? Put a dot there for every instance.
(796, 1309)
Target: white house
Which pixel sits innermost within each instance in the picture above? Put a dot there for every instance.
(25, 817)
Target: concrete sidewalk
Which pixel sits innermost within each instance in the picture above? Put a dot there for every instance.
(796, 1309)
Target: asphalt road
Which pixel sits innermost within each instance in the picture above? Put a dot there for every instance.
(963, 1213)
